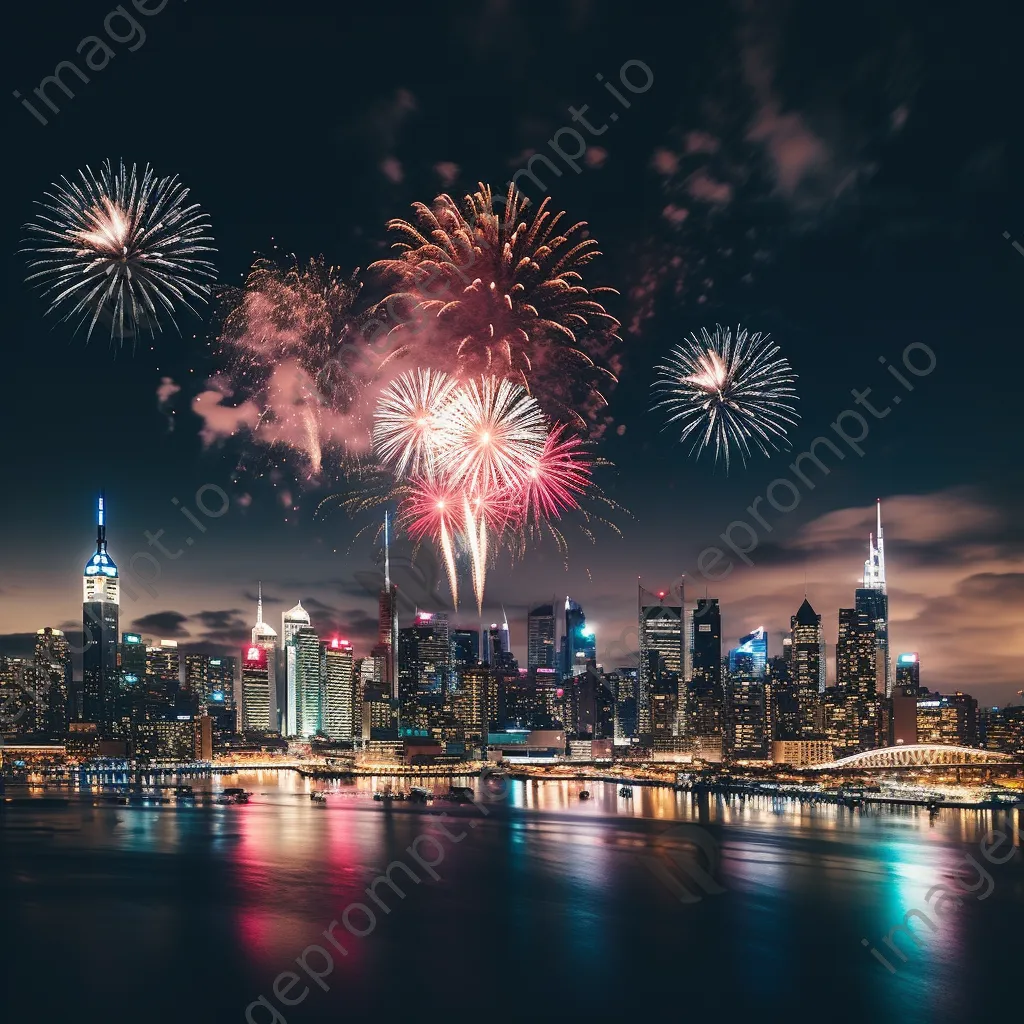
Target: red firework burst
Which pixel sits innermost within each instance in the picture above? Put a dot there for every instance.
(502, 293)
(560, 478)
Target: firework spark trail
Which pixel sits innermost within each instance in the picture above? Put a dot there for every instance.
(122, 243)
(502, 293)
(432, 509)
(733, 391)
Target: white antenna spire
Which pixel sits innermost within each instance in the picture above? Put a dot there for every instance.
(387, 554)
(259, 603)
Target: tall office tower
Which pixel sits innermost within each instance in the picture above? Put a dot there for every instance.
(308, 700)
(579, 644)
(132, 681)
(873, 600)
(707, 644)
(256, 687)
(291, 622)
(465, 646)
(751, 656)
(808, 667)
(54, 678)
(163, 681)
(627, 702)
(475, 705)
(540, 637)
(908, 670)
(99, 622)
(210, 681)
(660, 633)
(856, 680)
(703, 715)
(747, 734)
(422, 680)
(264, 637)
(387, 622)
(785, 705)
(340, 708)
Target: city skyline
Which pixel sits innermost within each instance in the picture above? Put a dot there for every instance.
(613, 652)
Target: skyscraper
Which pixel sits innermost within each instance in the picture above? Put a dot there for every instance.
(855, 653)
(751, 656)
(163, 681)
(856, 681)
(99, 620)
(210, 682)
(387, 623)
(132, 693)
(808, 667)
(53, 675)
(309, 696)
(256, 695)
(340, 687)
(873, 600)
(660, 630)
(465, 644)
(748, 726)
(540, 637)
(707, 644)
(259, 689)
(291, 622)
(908, 670)
(579, 644)
(705, 694)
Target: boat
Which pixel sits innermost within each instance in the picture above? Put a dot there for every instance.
(584, 794)
(317, 797)
(460, 794)
(626, 791)
(236, 795)
(419, 795)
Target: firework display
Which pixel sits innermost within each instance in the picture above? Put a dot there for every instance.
(289, 341)
(500, 292)
(122, 244)
(732, 394)
(475, 463)
(409, 426)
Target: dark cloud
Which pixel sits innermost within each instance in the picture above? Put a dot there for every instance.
(166, 624)
(225, 626)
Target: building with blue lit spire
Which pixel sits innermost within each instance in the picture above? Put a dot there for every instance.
(100, 600)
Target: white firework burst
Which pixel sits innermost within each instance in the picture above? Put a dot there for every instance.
(410, 422)
(732, 394)
(122, 244)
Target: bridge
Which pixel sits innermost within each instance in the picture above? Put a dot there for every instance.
(919, 755)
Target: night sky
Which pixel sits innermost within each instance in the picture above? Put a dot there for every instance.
(844, 182)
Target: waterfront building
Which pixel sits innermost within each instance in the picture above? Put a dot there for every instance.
(54, 680)
(661, 641)
(341, 692)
